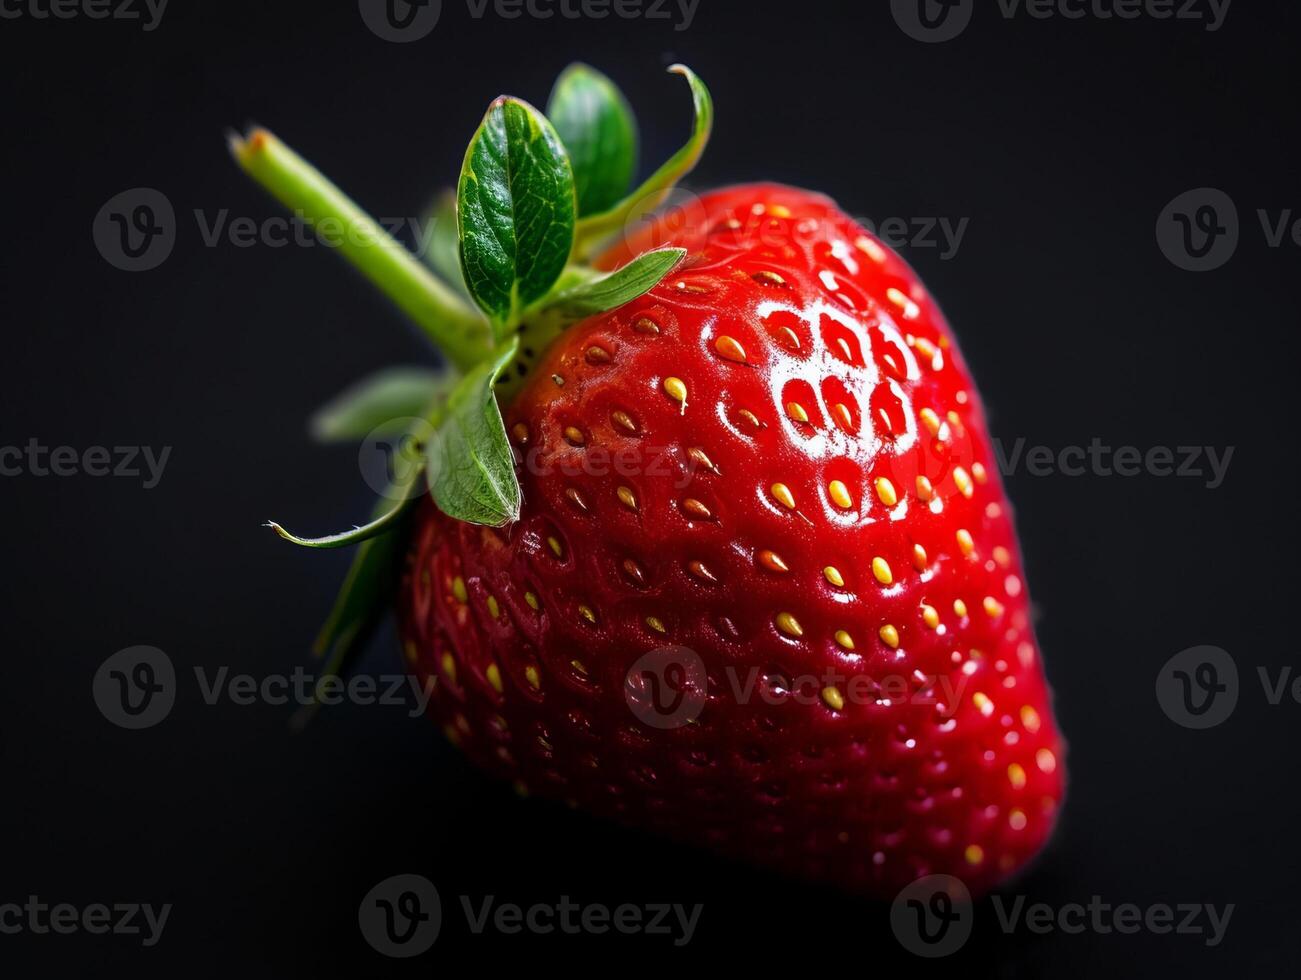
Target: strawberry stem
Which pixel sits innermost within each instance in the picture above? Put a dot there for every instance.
(456, 329)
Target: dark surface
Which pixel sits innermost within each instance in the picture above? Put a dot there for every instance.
(1060, 140)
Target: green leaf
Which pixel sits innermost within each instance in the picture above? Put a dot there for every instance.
(471, 469)
(441, 244)
(596, 125)
(380, 404)
(515, 211)
(593, 229)
(385, 521)
(619, 287)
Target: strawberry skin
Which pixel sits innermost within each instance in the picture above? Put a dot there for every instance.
(777, 460)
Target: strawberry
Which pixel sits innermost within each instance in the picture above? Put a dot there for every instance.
(754, 582)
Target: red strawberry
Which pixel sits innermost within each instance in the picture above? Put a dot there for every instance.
(749, 578)
(812, 490)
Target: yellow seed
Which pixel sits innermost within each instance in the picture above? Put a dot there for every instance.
(645, 324)
(449, 667)
(900, 299)
(729, 348)
(1016, 819)
(870, 248)
(834, 699)
(885, 492)
(587, 613)
(930, 420)
(978, 471)
(963, 480)
(833, 576)
(596, 354)
(493, 674)
(701, 571)
(789, 625)
(624, 421)
(532, 600)
(767, 278)
(655, 623)
(494, 610)
(1016, 775)
(924, 489)
(676, 390)
(993, 607)
(531, 675)
(1002, 556)
(458, 589)
(574, 435)
(554, 544)
(579, 666)
(960, 608)
(982, 703)
(889, 636)
(779, 210)
(840, 494)
(930, 616)
(1045, 760)
(844, 639)
(919, 558)
(843, 415)
(576, 498)
(796, 411)
(772, 561)
(783, 495)
(881, 569)
(751, 419)
(965, 542)
(696, 509)
(627, 498)
(1030, 719)
(974, 854)
(699, 456)
(521, 432)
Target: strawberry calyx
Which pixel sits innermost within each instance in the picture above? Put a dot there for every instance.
(505, 271)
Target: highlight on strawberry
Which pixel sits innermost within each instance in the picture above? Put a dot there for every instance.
(714, 542)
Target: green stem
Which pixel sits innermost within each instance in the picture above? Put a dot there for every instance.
(459, 331)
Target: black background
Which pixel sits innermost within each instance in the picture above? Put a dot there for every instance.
(1061, 140)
